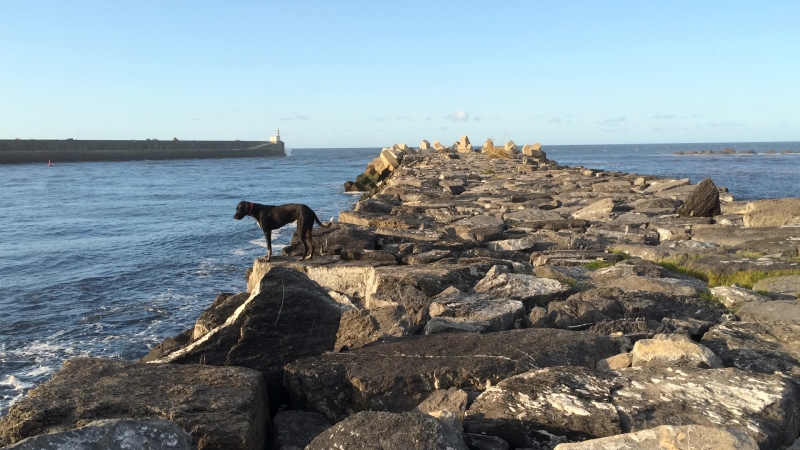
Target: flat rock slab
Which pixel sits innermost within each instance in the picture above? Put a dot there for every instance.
(526, 288)
(735, 297)
(687, 437)
(116, 434)
(785, 285)
(479, 228)
(500, 313)
(725, 264)
(579, 403)
(772, 213)
(666, 349)
(221, 407)
(388, 431)
(757, 347)
(668, 286)
(397, 376)
(766, 240)
(777, 311)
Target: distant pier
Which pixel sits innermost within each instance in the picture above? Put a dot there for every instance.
(18, 151)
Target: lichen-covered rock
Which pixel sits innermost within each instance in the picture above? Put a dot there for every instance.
(778, 311)
(735, 297)
(389, 431)
(221, 407)
(757, 347)
(687, 437)
(788, 285)
(113, 434)
(397, 376)
(565, 401)
(453, 400)
(500, 313)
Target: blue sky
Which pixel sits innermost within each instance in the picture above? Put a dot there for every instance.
(372, 73)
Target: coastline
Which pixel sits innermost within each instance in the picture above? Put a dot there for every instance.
(519, 238)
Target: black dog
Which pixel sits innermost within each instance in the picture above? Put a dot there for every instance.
(273, 217)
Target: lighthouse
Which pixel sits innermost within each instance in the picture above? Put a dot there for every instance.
(276, 138)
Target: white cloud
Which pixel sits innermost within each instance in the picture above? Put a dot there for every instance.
(458, 116)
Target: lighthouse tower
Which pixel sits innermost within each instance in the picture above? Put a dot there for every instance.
(276, 138)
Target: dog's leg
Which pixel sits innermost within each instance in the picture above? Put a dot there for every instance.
(268, 235)
(311, 239)
(303, 239)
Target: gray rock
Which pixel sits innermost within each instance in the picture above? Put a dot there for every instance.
(397, 376)
(479, 228)
(702, 202)
(526, 288)
(668, 286)
(566, 401)
(500, 313)
(483, 442)
(290, 318)
(687, 437)
(359, 327)
(453, 400)
(629, 268)
(666, 349)
(757, 347)
(772, 213)
(599, 210)
(788, 285)
(216, 314)
(297, 428)
(331, 241)
(222, 407)
(116, 434)
(778, 311)
(734, 297)
(451, 325)
(169, 345)
(388, 431)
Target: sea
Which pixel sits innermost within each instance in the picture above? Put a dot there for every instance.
(107, 259)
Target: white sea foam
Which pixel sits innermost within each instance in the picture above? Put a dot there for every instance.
(15, 383)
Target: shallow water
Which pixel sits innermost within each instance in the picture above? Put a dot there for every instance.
(109, 258)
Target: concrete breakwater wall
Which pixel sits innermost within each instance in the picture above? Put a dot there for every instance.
(40, 151)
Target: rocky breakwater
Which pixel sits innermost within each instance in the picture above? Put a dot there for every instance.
(481, 300)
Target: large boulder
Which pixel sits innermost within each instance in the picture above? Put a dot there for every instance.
(577, 403)
(772, 213)
(388, 431)
(735, 297)
(686, 437)
(113, 434)
(291, 317)
(499, 314)
(479, 228)
(566, 401)
(221, 407)
(778, 311)
(223, 307)
(702, 202)
(397, 376)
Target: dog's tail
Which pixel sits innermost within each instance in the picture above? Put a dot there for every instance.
(323, 225)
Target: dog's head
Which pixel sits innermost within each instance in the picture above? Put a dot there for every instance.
(241, 210)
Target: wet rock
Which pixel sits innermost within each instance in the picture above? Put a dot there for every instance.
(116, 434)
(296, 429)
(397, 376)
(221, 407)
(702, 202)
(290, 318)
(665, 349)
(772, 213)
(734, 297)
(389, 431)
(566, 401)
(686, 437)
(169, 345)
(757, 347)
